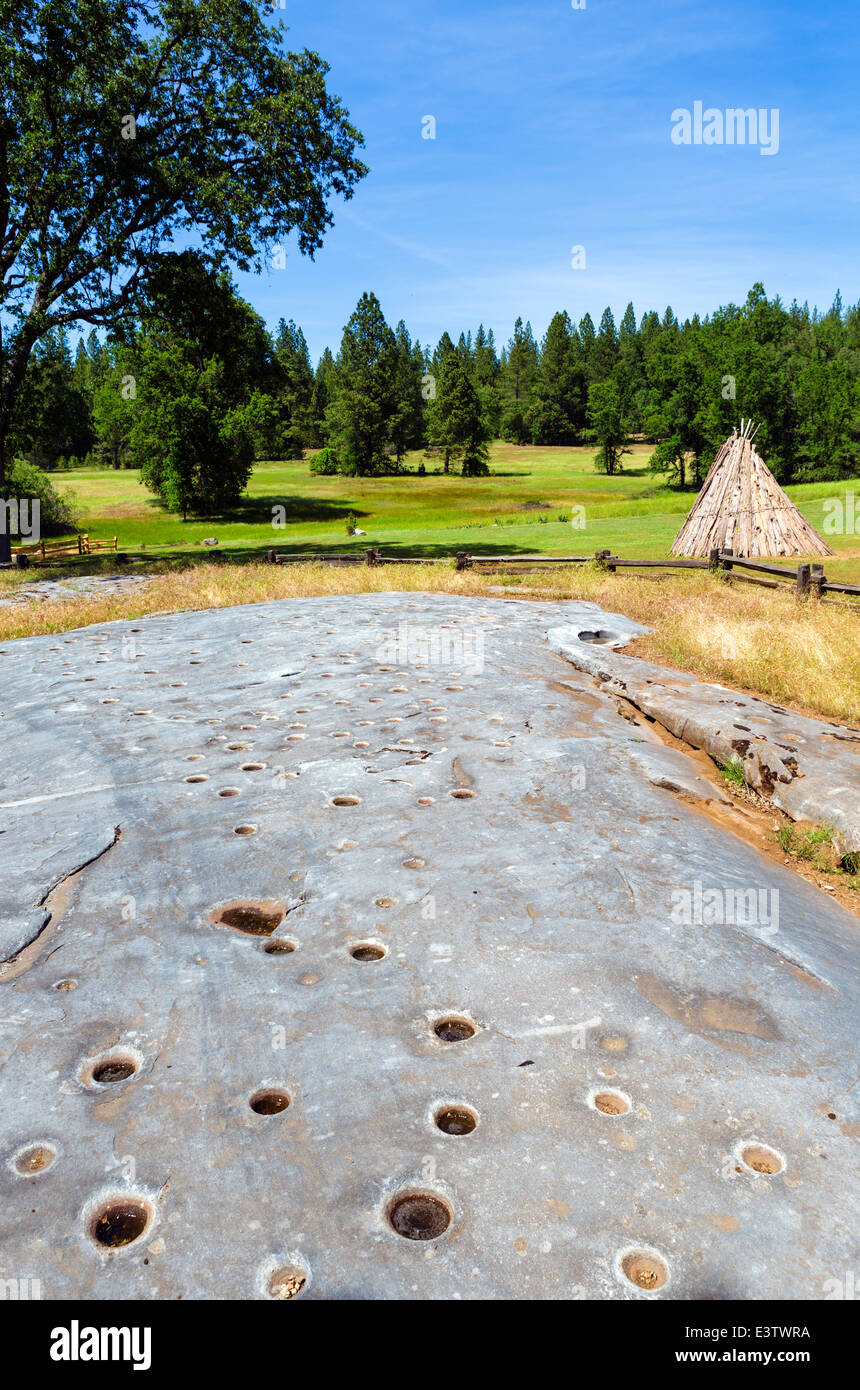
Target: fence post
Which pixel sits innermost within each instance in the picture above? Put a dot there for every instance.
(817, 580)
(271, 558)
(463, 561)
(803, 574)
(372, 557)
(713, 560)
(600, 558)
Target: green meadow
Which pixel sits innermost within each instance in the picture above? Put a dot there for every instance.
(633, 513)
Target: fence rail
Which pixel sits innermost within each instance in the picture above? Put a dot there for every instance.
(806, 578)
(54, 550)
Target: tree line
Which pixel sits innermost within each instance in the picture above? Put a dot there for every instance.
(193, 389)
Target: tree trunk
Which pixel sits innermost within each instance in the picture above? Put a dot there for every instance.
(5, 538)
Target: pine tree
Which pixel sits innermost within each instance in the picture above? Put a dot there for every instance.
(295, 391)
(485, 375)
(632, 380)
(558, 411)
(362, 411)
(52, 414)
(201, 356)
(407, 424)
(440, 352)
(584, 346)
(114, 406)
(518, 379)
(455, 424)
(605, 354)
(322, 398)
(674, 407)
(608, 423)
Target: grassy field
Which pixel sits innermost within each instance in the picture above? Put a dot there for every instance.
(632, 514)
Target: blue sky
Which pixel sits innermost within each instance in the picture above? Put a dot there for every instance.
(553, 131)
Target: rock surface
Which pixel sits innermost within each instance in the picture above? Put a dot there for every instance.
(809, 768)
(76, 587)
(423, 780)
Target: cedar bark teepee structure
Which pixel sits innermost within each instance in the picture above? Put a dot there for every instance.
(742, 508)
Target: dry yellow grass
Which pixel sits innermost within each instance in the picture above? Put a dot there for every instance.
(762, 641)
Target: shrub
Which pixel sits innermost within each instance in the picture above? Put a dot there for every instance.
(57, 511)
(324, 462)
(733, 771)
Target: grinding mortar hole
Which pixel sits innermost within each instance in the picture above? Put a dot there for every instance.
(229, 791)
(269, 1102)
(346, 801)
(120, 1222)
(245, 830)
(280, 947)
(452, 1030)
(385, 902)
(611, 1102)
(198, 777)
(419, 1216)
(599, 637)
(644, 1269)
(462, 794)
(252, 919)
(762, 1159)
(456, 1119)
(414, 863)
(253, 767)
(112, 1069)
(368, 950)
(36, 1158)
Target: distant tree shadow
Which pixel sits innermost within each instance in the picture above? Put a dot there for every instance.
(259, 511)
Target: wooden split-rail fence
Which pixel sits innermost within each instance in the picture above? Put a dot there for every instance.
(806, 579)
(62, 549)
